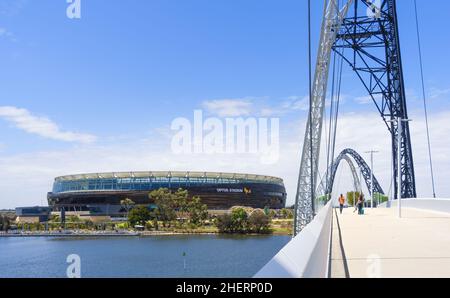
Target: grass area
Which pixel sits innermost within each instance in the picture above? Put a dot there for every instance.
(282, 226)
(199, 230)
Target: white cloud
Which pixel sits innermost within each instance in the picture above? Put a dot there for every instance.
(229, 107)
(5, 33)
(438, 93)
(11, 8)
(365, 131)
(260, 106)
(367, 99)
(296, 103)
(411, 95)
(364, 99)
(41, 126)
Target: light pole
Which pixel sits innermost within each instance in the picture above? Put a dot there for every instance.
(399, 122)
(371, 176)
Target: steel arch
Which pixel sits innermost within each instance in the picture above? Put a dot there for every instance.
(365, 171)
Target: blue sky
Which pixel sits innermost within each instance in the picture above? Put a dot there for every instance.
(117, 77)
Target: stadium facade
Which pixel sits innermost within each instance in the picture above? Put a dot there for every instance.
(100, 193)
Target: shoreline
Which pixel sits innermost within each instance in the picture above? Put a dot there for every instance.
(71, 234)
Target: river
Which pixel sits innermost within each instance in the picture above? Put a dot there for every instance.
(155, 256)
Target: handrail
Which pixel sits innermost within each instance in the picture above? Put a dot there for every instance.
(307, 255)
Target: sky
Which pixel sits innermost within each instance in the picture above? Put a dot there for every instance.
(99, 93)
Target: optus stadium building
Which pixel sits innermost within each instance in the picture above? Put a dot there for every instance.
(101, 193)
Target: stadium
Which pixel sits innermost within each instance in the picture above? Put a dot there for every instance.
(101, 193)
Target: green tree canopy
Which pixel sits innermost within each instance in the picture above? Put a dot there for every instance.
(169, 204)
(239, 217)
(224, 224)
(139, 216)
(127, 204)
(258, 222)
(240, 222)
(166, 204)
(198, 212)
(287, 213)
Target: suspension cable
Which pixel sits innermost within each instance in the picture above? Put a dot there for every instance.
(419, 44)
(341, 66)
(329, 158)
(310, 107)
(334, 109)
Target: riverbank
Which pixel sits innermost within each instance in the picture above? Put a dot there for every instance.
(279, 227)
(96, 234)
(70, 234)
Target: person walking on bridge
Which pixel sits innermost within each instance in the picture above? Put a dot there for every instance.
(360, 205)
(341, 202)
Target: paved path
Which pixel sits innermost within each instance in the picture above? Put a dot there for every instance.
(379, 244)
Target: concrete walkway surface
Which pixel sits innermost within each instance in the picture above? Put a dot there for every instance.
(379, 244)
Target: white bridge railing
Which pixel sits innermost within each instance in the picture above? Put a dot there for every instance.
(307, 255)
(438, 205)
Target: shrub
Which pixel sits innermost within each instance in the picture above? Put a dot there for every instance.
(225, 223)
(287, 213)
(258, 222)
(239, 222)
(239, 219)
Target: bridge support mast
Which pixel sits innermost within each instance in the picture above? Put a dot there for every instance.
(369, 42)
(309, 166)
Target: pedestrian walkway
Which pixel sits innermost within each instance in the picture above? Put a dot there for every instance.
(379, 244)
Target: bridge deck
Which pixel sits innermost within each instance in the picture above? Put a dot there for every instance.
(379, 244)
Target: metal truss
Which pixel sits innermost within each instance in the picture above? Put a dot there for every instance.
(333, 18)
(366, 173)
(369, 42)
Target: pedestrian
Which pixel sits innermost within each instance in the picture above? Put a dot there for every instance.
(341, 202)
(360, 205)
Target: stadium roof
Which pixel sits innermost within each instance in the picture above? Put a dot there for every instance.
(170, 174)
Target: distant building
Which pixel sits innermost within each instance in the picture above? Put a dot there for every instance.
(33, 214)
(100, 194)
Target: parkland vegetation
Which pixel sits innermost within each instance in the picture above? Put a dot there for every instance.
(178, 212)
(168, 211)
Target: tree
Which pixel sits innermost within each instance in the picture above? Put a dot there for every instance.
(198, 212)
(166, 205)
(155, 224)
(259, 222)
(352, 197)
(239, 218)
(139, 216)
(224, 223)
(5, 223)
(272, 214)
(239, 222)
(169, 204)
(180, 200)
(287, 213)
(127, 204)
